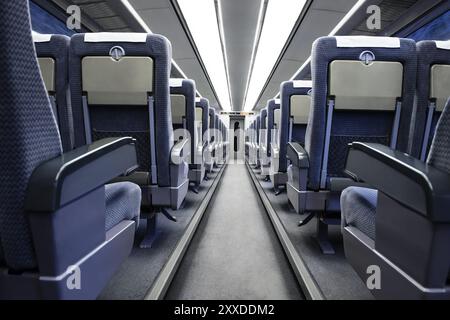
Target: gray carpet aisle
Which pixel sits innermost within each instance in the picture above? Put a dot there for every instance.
(333, 273)
(235, 253)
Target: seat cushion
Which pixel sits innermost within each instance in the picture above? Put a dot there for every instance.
(123, 202)
(358, 206)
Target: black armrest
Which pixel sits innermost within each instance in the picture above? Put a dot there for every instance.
(297, 154)
(59, 181)
(180, 152)
(411, 182)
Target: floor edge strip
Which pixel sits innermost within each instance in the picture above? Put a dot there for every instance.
(304, 277)
(162, 282)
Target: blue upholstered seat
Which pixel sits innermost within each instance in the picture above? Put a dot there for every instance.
(52, 213)
(358, 207)
(146, 116)
(123, 201)
(429, 56)
(56, 47)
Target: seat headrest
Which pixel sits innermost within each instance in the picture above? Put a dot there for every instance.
(445, 45)
(116, 37)
(367, 41)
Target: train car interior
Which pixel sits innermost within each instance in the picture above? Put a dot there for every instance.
(225, 150)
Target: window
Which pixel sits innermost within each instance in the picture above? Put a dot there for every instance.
(44, 22)
(438, 29)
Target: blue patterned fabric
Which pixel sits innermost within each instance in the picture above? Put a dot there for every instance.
(58, 49)
(258, 127)
(263, 118)
(157, 47)
(28, 131)
(271, 107)
(349, 126)
(358, 207)
(298, 133)
(287, 90)
(123, 201)
(204, 105)
(212, 123)
(324, 51)
(439, 156)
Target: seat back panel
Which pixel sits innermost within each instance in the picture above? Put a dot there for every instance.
(124, 82)
(47, 67)
(357, 86)
(199, 126)
(433, 81)
(300, 106)
(299, 112)
(178, 105)
(440, 85)
(276, 125)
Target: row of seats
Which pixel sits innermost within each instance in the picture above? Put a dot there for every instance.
(93, 130)
(387, 94)
(160, 113)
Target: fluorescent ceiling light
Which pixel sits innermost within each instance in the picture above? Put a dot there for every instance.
(255, 47)
(201, 18)
(224, 48)
(139, 19)
(279, 21)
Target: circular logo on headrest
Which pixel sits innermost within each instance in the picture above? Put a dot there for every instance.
(367, 57)
(117, 53)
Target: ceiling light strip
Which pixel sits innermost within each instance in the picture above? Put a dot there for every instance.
(280, 23)
(201, 18)
(223, 45)
(261, 16)
(144, 25)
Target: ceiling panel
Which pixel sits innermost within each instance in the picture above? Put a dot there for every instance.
(161, 18)
(240, 19)
(335, 5)
(192, 69)
(149, 4)
(165, 22)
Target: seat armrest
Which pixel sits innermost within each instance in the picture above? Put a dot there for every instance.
(411, 182)
(298, 156)
(180, 151)
(61, 180)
